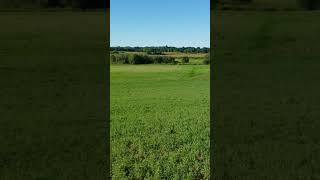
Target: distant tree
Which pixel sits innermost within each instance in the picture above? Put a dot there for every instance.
(139, 59)
(149, 51)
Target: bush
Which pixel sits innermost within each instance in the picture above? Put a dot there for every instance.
(140, 59)
(148, 60)
(113, 59)
(172, 60)
(162, 59)
(122, 59)
(185, 60)
(206, 60)
(157, 59)
(135, 59)
(168, 60)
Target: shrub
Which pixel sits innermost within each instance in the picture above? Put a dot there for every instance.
(113, 59)
(139, 59)
(135, 59)
(167, 59)
(185, 60)
(122, 59)
(148, 60)
(157, 59)
(206, 60)
(171, 60)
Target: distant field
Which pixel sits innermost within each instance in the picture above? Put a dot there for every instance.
(195, 58)
(160, 121)
(190, 55)
(266, 95)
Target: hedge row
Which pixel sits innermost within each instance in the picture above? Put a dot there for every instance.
(141, 59)
(145, 59)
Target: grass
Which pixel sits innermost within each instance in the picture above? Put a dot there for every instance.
(160, 121)
(53, 100)
(266, 106)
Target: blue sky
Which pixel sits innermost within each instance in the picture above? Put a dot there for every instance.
(160, 22)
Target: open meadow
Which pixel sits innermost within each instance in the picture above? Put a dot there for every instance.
(266, 95)
(160, 121)
(53, 95)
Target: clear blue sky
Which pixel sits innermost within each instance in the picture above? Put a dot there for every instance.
(160, 22)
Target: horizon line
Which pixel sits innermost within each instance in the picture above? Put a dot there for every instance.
(162, 46)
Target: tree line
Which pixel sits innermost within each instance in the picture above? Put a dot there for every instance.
(83, 4)
(159, 50)
(147, 59)
(141, 59)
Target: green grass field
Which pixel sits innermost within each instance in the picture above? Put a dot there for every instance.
(266, 95)
(53, 95)
(160, 121)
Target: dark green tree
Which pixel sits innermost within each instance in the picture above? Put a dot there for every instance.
(206, 60)
(185, 60)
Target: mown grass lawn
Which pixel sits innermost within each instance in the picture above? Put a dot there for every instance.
(160, 121)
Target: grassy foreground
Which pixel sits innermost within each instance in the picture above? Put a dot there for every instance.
(53, 95)
(160, 121)
(266, 95)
